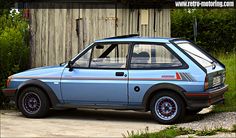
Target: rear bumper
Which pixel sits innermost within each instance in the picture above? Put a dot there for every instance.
(205, 99)
(9, 93)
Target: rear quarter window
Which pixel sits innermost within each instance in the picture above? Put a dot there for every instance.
(195, 53)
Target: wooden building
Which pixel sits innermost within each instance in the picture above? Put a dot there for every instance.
(57, 35)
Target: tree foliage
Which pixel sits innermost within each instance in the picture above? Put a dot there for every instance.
(216, 27)
(14, 44)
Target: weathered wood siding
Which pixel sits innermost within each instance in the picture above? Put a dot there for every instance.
(57, 35)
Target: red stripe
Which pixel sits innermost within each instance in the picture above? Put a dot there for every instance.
(178, 76)
(36, 77)
(152, 79)
(90, 78)
(9, 91)
(197, 94)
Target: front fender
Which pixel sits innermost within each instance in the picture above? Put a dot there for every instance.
(37, 83)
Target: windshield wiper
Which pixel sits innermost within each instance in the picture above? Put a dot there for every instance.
(212, 62)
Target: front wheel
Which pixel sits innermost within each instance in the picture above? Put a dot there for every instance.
(167, 107)
(33, 102)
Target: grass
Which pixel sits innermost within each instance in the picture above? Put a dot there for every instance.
(169, 132)
(229, 60)
(234, 128)
(173, 131)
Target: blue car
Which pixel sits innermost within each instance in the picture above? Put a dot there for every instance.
(167, 76)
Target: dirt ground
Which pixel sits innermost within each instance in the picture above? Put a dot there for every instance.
(79, 123)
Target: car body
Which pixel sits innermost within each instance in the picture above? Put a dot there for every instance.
(167, 76)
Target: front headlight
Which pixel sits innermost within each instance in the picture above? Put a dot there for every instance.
(8, 81)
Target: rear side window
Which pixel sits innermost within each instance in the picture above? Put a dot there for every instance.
(153, 56)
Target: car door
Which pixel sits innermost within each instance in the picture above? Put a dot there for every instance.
(98, 77)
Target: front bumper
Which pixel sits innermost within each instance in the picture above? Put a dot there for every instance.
(10, 93)
(205, 99)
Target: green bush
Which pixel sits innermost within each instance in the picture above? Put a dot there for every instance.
(216, 28)
(14, 46)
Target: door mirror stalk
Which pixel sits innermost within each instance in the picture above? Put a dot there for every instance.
(70, 65)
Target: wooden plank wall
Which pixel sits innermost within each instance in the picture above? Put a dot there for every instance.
(54, 38)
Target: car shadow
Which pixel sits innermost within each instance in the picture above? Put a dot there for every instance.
(196, 117)
(115, 115)
(104, 115)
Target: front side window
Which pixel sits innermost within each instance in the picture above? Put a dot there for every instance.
(104, 56)
(84, 60)
(153, 56)
(109, 56)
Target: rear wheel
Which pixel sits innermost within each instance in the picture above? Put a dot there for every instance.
(33, 102)
(167, 107)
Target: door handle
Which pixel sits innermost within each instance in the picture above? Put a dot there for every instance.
(120, 73)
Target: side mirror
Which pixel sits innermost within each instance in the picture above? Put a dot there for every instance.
(70, 65)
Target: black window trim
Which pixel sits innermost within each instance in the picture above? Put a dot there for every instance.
(128, 59)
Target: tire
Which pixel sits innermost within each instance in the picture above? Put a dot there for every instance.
(193, 111)
(171, 107)
(33, 103)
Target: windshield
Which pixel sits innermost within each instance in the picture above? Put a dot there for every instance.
(195, 53)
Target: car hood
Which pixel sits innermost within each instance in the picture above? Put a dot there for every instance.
(41, 72)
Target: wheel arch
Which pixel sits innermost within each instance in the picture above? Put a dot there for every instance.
(41, 85)
(162, 87)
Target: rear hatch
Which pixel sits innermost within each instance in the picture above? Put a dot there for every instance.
(215, 69)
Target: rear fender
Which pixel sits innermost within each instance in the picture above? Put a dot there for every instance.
(159, 87)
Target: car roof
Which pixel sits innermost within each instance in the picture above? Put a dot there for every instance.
(136, 39)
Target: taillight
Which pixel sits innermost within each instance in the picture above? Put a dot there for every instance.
(8, 81)
(223, 77)
(206, 84)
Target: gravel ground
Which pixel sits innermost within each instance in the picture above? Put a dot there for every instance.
(207, 120)
(211, 121)
(218, 135)
(101, 123)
